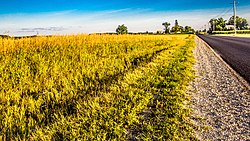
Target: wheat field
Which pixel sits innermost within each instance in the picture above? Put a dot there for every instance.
(96, 87)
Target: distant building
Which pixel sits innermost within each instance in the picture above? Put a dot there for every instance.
(230, 27)
(159, 32)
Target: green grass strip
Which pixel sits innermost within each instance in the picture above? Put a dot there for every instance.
(167, 114)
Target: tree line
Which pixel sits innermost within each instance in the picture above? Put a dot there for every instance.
(221, 24)
(122, 29)
(177, 28)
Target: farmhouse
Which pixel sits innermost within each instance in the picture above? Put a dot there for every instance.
(230, 27)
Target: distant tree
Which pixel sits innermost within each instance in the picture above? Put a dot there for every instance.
(166, 27)
(122, 29)
(176, 23)
(189, 29)
(181, 29)
(176, 28)
(213, 23)
(241, 23)
(218, 24)
(221, 24)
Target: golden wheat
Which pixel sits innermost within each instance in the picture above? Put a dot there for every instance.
(93, 87)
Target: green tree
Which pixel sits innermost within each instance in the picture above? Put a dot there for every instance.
(221, 24)
(218, 24)
(176, 28)
(241, 23)
(166, 27)
(122, 29)
(213, 23)
(189, 29)
(176, 23)
(181, 29)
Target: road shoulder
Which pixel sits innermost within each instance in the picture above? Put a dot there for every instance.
(220, 100)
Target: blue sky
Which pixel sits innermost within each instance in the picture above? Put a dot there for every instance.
(25, 17)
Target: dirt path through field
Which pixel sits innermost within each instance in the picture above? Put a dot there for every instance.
(221, 103)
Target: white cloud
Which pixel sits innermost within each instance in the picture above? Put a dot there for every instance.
(137, 20)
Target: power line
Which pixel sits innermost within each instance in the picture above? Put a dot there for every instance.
(229, 10)
(223, 13)
(226, 11)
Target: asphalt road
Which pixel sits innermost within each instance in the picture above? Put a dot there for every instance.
(234, 50)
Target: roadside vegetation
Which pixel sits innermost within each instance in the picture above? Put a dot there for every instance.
(222, 26)
(96, 87)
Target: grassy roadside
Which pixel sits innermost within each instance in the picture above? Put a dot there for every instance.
(166, 117)
(97, 88)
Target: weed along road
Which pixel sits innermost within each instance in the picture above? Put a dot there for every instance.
(234, 50)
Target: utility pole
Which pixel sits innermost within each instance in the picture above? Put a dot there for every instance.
(214, 26)
(234, 5)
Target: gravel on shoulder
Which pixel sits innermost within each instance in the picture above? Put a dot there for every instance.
(220, 101)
